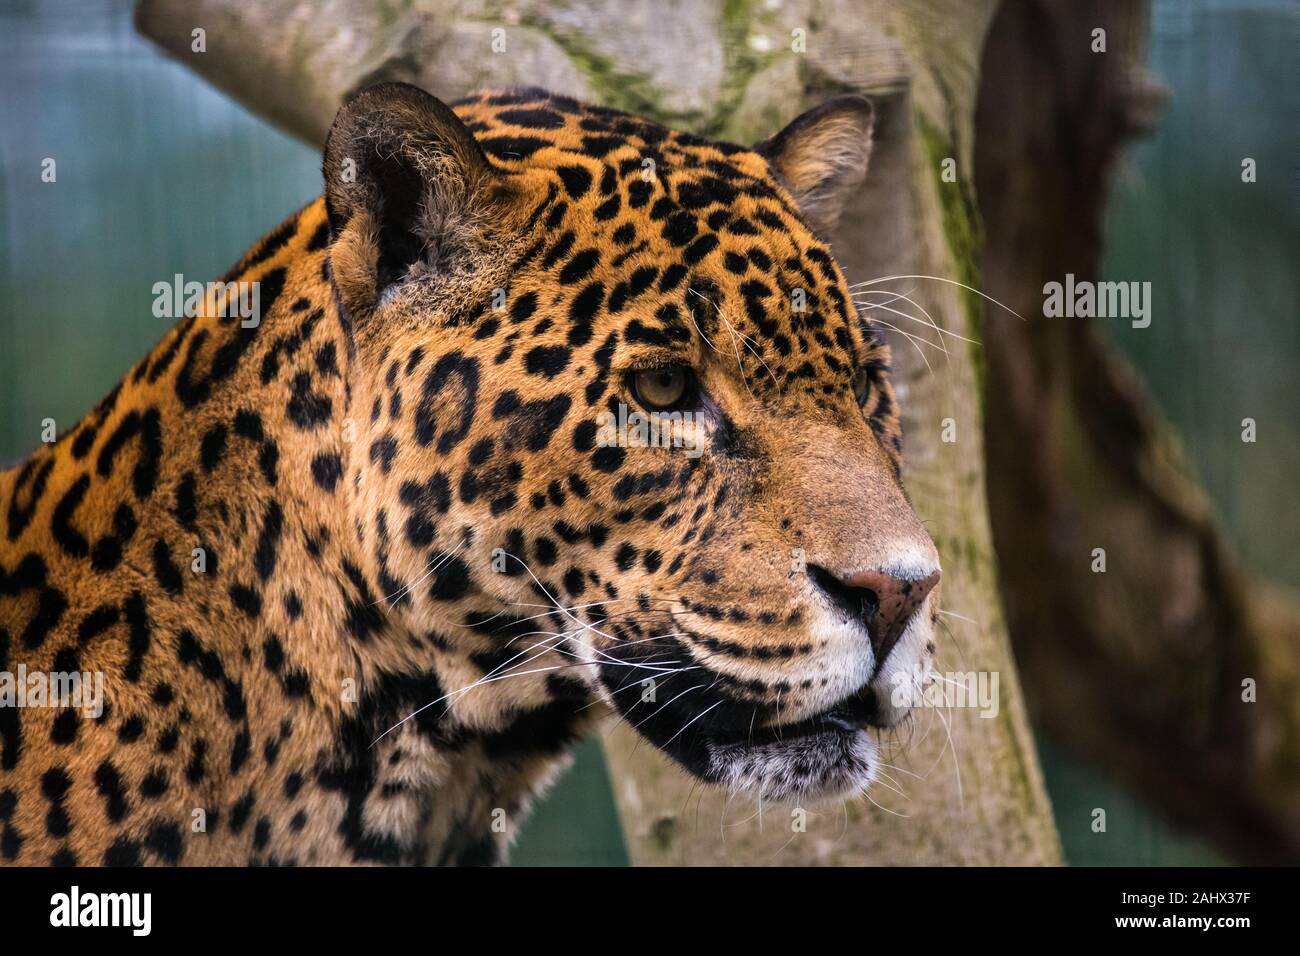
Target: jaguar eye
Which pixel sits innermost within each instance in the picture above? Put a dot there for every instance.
(660, 389)
(861, 387)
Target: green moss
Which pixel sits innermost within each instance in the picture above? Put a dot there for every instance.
(389, 12)
(742, 62)
(611, 86)
(635, 93)
(961, 228)
(662, 832)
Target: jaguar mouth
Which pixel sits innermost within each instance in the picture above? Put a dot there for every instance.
(855, 713)
(720, 736)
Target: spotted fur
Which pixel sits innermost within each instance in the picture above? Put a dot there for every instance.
(420, 577)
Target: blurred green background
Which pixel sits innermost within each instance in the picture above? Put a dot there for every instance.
(157, 173)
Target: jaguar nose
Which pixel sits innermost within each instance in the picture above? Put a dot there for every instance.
(883, 601)
(893, 601)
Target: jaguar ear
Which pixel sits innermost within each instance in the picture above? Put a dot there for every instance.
(821, 157)
(407, 190)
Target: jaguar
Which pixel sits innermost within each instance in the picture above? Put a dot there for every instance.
(357, 572)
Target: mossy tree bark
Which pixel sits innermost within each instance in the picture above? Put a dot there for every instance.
(974, 793)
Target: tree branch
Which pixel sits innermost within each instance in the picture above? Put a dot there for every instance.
(1139, 669)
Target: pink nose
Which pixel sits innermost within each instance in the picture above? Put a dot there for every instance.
(896, 600)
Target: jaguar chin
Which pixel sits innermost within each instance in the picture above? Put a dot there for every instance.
(800, 746)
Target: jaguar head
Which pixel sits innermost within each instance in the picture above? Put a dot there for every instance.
(624, 431)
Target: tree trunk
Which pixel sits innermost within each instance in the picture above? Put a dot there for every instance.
(1139, 669)
(974, 793)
